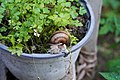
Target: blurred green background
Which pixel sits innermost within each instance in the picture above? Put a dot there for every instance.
(109, 42)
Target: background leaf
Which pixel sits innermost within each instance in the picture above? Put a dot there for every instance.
(111, 76)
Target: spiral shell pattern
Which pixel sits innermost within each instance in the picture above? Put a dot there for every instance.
(60, 37)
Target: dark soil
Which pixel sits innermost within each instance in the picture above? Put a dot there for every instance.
(80, 32)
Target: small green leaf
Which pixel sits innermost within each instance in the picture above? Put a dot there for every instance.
(18, 23)
(3, 29)
(67, 4)
(41, 5)
(64, 22)
(53, 17)
(36, 10)
(1, 16)
(16, 1)
(105, 29)
(60, 1)
(71, 0)
(11, 1)
(73, 9)
(2, 10)
(64, 15)
(12, 39)
(77, 23)
(16, 49)
(40, 28)
(74, 14)
(82, 11)
(27, 38)
(73, 39)
(1, 36)
(17, 13)
(45, 10)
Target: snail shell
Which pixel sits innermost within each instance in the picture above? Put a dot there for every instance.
(60, 37)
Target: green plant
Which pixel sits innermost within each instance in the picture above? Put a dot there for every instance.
(110, 25)
(111, 19)
(111, 75)
(26, 25)
(113, 70)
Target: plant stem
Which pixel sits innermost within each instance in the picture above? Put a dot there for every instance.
(2, 24)
(27, 48)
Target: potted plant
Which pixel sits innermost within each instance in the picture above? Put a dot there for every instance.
(42, 36)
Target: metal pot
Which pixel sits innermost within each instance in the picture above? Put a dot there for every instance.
(46, 66)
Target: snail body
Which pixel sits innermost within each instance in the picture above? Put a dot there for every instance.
(60, 37)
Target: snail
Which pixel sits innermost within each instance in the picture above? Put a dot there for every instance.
(60, 37)
(58, 42)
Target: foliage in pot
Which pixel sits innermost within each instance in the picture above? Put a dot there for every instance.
(27, 25)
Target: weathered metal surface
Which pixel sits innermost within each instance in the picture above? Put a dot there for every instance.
(2, 71)
(25, 68)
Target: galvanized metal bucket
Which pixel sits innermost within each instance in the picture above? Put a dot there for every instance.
(46, 66)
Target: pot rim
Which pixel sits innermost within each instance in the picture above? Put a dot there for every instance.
(73, 49)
